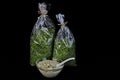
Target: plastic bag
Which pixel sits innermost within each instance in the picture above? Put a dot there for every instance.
(64, 45)
(42, 36)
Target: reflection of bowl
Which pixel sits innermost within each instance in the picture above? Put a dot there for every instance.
(48, 68)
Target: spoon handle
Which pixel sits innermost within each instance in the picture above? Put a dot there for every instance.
(65, 61)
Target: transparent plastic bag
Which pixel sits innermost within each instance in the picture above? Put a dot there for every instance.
(41, 39)
(64, 45)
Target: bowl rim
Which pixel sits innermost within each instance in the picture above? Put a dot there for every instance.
(53, 69)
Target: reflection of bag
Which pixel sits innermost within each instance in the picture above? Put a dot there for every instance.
(64, 46)
(42, 37)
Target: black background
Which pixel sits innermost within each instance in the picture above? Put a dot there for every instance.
(92, 23)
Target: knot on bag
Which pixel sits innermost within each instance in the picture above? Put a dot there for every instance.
(63, 24)
(43, 12)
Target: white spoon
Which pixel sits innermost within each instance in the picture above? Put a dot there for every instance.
(65, 61)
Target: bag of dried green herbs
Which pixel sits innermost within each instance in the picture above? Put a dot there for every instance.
(64, 45)
(41, 39)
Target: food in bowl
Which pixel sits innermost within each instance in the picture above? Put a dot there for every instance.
(48, 68)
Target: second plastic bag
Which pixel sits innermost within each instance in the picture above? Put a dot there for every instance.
(64, 45)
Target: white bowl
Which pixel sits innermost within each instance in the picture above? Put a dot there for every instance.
(49, 70)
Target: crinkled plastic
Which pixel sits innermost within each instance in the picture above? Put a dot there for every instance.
(41, 39)
(64, 45)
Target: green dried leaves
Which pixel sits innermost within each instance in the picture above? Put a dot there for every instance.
(41, 44)
(62, 51)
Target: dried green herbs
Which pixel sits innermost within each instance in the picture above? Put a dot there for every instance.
(62, 51)
(41, 44)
